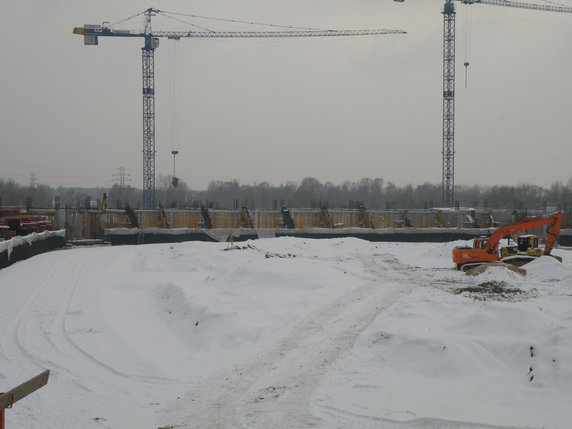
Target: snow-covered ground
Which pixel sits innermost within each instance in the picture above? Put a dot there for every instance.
(288, 333)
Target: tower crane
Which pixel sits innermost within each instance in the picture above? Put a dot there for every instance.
(92, 33)
(448, 175)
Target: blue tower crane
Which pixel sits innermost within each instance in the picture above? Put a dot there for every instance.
(92, 33)
(448, 152)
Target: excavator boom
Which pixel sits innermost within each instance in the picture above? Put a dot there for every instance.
(554, 221)
(553, 233)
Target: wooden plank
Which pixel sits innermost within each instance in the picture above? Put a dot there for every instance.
(14, 395)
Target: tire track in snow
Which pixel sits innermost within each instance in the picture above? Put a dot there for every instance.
(42, 320)
(39, 330)
(62, 340)
(274, 389)
(66, 344)
(54, 295)
(349, 420)
(12, 338)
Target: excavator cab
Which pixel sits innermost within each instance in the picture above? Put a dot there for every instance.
(480, 242)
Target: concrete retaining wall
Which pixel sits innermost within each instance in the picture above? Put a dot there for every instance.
(20, 248)
(120, 236)
(411, 235)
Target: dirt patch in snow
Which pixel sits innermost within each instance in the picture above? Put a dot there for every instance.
(494, 291)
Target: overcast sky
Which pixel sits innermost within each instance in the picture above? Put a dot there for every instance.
(279, 110)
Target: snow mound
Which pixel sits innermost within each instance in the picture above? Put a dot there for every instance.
(189, 320)
(549, 269)
(480, 363)
(444, 250)
(479, 270)
(497, 272)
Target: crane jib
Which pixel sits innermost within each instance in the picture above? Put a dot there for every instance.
(521, 5)
(99, 31)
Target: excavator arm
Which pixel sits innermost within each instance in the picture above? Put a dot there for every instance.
(553, 233)
(554, 220)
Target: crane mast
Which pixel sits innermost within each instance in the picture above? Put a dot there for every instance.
(448, 153)
(148, 67)
(92, 33)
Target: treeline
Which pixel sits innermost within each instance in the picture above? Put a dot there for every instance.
(309, 193)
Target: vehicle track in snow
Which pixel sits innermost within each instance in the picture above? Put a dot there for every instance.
(348, 420)
(60, 337)
(274, 388)
(13, 343)
(39, 332)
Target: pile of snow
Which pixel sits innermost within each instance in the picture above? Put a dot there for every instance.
(496, 268)
(286, 332)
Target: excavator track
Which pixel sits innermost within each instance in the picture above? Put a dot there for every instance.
(515, 261)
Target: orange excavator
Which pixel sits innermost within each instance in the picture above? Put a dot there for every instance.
(486, 249)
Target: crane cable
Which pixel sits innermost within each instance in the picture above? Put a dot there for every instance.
(556, 3)
(236, 21)
(188, 23)
(175, 99)
(467, 41)
(126, 19)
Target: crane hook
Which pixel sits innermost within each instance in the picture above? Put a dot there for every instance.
(466, 72)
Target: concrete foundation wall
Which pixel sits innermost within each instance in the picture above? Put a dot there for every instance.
(21, 248)
(418, 235)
